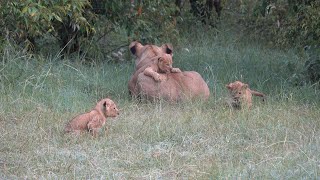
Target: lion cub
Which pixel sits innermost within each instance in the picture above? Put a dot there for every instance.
(163, 64)
(241, 94)
(93, 120)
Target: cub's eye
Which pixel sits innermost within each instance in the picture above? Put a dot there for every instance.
(239, 92)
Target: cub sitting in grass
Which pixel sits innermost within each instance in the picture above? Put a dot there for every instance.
(162, 64)
(241, 94)
(93, 120)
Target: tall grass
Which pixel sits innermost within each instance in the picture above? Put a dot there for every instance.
(278, 139)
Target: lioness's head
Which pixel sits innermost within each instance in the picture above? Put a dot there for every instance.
(138, 49)
(165, 63)
(237, 89)
(109, 108)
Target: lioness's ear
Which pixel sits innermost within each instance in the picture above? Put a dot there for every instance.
(167, 48)
(134, 47)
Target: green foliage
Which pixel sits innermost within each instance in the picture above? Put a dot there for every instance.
(147, 21)
(278, 139)
(312, 65)
(310, 23)
(24, 20)
(284, 23)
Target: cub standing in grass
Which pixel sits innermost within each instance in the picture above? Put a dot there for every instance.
(241, 94)
(93, 120)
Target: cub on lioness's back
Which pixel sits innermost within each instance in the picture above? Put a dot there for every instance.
(93, 120)
(163, 65)
(145, 53)
(241, 94)
(176, 87)
(145, 56)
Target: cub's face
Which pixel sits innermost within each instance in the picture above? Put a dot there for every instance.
(237, 89)
(110, 108)
(165, 63)
(237, 93)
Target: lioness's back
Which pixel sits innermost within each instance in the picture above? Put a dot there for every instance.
(179, 86)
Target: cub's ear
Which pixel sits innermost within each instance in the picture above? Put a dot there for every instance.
(135, 47)
(228, 86)
(245, 86)
(167, 48)
(105, 104)
(160, 59)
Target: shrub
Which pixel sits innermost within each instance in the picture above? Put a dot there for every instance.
(73, 23)
(23, 21)
(312, 64)
(284, 23)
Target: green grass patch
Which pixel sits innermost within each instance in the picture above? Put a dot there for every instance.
(278, 139)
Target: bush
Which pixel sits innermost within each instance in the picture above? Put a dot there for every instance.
(23, 21)
(285, 23)
(312, 65)
(73, 23)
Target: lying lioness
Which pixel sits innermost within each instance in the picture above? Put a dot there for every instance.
(176, 87)
(172, 86)
(241, 94)
(146, 56)
(93, 120)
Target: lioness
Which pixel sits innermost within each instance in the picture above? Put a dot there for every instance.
(163, 64)
(177, 87)
(93, 120)
(146, 55)
(241, 94)
(172, 86)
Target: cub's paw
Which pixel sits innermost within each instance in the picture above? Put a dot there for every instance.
(163, 77)
(176, 70)
(157, 77)
(160, 77)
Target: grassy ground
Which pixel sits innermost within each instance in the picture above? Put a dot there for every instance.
(278, 139)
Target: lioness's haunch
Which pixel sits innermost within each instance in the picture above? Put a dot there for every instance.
(93, 120)
(171, 86)
(187, 85)
(241, 94)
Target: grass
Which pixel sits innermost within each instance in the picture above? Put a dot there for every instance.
(278, 139)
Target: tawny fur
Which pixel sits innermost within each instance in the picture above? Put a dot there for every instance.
(177, 87)
(93, 120)
(146, 56)
(172, 86)
(145, 53)
(163, 64)
(241, 94)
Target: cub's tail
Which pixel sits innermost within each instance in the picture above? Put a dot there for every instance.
(256, 93)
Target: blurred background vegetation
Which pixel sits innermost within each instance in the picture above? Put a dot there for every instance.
(101, 29)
